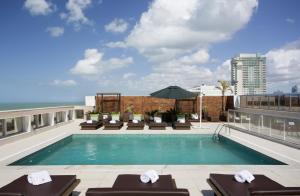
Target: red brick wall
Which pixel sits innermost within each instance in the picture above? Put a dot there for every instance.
(142, 104)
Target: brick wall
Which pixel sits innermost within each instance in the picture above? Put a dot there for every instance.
(142, 104)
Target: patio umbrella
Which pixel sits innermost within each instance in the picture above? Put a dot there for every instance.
(173, 92)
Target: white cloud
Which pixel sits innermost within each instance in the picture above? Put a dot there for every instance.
(198, 57)
(128, 75)
(55, 31)
(93, 64)
(75, 14)
(39, 7)
(290, 20)
(175, 37)
(116, 26)
(63, 83)
(177, 27)
(283, 64)
(116, 44)
(223, 72)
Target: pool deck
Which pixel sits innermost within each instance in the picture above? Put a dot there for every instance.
(192, 177)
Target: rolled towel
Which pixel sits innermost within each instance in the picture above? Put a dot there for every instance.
(244, 176)
(135, 121)
(153, 175)
(38, 178)
(144, 178)
(239, 178)
(112, 122)
(150, 175)
(89, 121)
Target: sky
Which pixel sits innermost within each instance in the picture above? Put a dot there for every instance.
(63, 50)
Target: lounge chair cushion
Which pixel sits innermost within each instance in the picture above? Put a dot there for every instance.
(264, 191)
(227, 185)
(137, 192)
(133, 181)
(20, 186)
(130, 185)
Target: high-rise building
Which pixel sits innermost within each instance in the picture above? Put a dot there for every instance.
(248, 74)
(295, 89)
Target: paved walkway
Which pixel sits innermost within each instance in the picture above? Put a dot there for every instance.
(192, 177)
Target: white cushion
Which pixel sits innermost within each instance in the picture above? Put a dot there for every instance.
(195, 116)
(157, 119)
(112, 122)
(182, 120)
(137, 117)
(135, 121)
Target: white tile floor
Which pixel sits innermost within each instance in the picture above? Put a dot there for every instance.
(192, 177)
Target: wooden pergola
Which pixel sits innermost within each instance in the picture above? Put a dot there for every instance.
(114, 97)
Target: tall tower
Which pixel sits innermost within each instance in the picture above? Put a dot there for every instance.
(248, 74)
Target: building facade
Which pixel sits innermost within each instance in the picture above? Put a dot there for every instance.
(248, 74)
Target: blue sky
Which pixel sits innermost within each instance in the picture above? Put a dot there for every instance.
(63, 50)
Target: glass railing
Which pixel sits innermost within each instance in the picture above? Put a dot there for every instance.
(274, 126)
(25, 120)
(285, 102)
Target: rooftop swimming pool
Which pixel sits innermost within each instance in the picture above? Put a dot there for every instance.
(146, 149)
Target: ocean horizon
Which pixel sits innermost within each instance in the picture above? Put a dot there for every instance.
(29, 105)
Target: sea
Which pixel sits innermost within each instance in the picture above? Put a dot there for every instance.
(17, 106)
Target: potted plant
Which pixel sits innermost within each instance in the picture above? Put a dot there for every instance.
(115, 115)
(205, 113)
(172, 115)
(223, 87)
(94, 115)
(128, 114)
(151, 114)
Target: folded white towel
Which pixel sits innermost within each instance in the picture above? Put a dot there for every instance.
(113, 122)
(38, 178)
(135, 121)
(150, 175)
(244, 176)
(89, 121)
(181, 120)
(105, 116)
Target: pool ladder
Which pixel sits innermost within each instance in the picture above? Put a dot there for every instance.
(216, 135)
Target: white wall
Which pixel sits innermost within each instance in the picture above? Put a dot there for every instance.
(90, 101)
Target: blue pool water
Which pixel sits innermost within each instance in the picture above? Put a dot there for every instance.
(183, 149)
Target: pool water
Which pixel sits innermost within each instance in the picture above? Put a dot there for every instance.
(158, 149)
